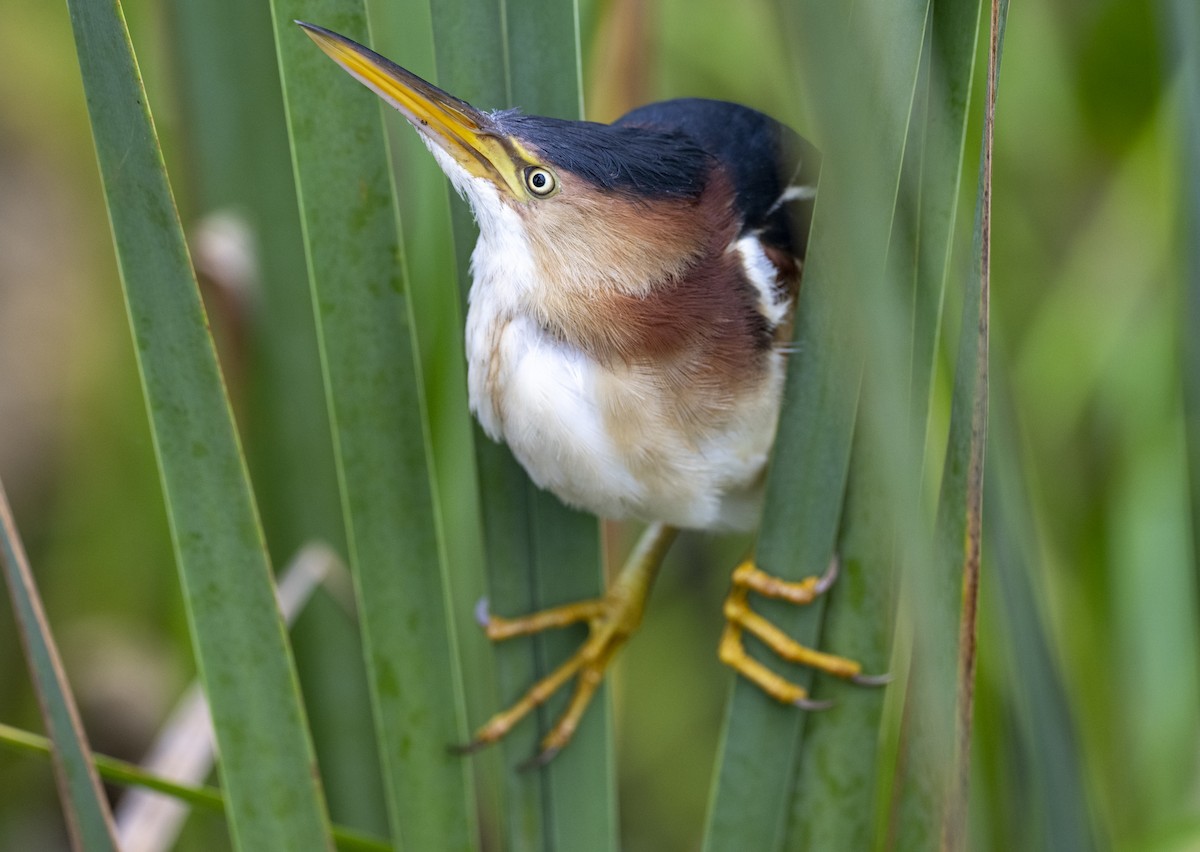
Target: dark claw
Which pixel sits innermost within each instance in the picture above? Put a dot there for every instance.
(467, 748)
(809, 704)
(538, 760)
(830, 576)
(482, 614)
(872, 680)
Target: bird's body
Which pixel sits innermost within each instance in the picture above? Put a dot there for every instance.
(633, 363)
(627, 334)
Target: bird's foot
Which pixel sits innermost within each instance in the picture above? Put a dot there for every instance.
(611, 620)
(740, 618)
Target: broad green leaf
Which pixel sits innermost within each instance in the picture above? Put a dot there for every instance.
(235, 131)
(235, 134)
(404, 31)
(89, 820)
(765, 743)
(267, 763)
(1185, 30)
(748, 809)
(372, 375)
(538, 552)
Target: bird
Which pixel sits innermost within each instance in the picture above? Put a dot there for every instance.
(628, 328)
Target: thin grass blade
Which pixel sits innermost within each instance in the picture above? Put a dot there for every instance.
(373, 382)
(1046, 749)
(208, 798)
(117, 771)
(834, 803)
(752, 799)
(931, 786)
(538, 552)
(953, 40)
(85, 808)
(241, 647)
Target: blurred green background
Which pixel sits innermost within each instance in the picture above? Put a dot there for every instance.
(1090, 599)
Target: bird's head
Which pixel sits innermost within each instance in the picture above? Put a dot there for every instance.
(469, 144)
(597, 206)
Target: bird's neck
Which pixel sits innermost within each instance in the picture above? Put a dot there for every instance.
(622, 280)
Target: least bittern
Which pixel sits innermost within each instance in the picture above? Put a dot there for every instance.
(630, 312)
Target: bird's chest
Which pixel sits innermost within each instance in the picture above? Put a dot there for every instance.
(620, 440)
(542, 398)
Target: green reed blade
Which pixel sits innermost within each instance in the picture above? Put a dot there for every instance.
(241, 648)
(372, 376)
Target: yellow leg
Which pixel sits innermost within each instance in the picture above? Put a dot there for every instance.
(740, 619)
(611, 621)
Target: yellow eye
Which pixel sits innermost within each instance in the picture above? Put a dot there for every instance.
(541, 182)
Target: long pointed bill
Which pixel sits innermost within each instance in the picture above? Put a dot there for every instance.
(456, 127)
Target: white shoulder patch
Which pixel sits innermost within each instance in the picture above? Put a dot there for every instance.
(772, 299)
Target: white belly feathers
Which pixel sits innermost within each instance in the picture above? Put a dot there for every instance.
(543, 398)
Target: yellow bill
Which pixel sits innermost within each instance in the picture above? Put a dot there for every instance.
(466, 134)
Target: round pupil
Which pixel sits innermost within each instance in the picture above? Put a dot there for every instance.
(538, 179)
